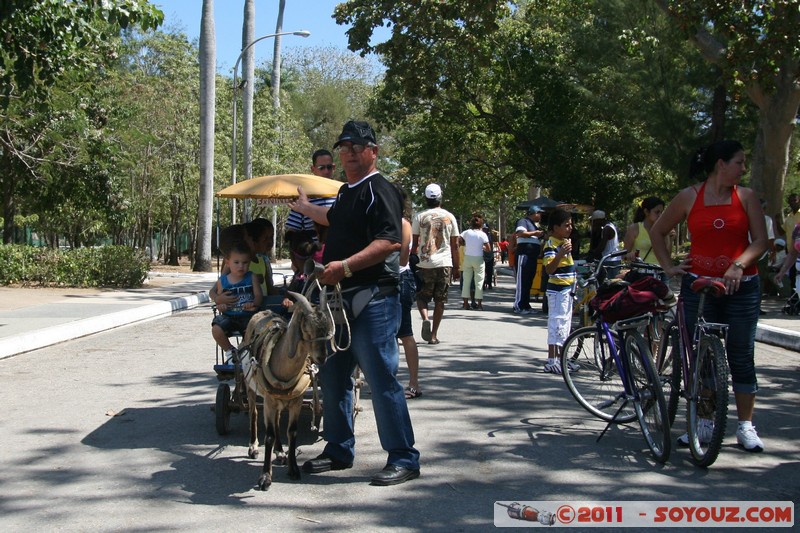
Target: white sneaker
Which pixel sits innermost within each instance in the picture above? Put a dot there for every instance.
(748, 439)
(572, 366)
(227, 357)
(704, 430)
(553, 368)
(527, 312)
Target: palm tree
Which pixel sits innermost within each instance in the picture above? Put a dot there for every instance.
(208, 63)
(248, 75)
(276, 59)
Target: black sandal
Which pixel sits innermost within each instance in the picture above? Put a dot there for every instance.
(412, 393)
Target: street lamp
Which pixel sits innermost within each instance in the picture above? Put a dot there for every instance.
(301, 33)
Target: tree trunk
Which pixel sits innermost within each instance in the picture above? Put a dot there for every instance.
(248, 75)
(276, 59)
(770, 157)
(208, 63)
(9, 206)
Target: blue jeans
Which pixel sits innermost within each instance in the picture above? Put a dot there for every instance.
(374, 348)
(740, 312)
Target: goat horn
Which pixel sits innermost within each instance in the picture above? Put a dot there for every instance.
(302, 301)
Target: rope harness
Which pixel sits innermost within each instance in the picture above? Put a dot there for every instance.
(257, 373)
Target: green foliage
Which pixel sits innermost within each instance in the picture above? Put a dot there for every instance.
(44, 39)
(108, 266)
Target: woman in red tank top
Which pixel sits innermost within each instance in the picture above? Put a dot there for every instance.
(720, 215)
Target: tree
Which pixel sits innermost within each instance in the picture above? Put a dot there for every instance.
(208, 60)
(755, 45)
(44, 43)
(276, 58)
(248, 86)
(538, 93)
(326, 87)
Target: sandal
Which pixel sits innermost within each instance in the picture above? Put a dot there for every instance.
(412, 393)
(466, 306)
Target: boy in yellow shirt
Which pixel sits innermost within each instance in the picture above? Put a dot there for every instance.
(560, 268)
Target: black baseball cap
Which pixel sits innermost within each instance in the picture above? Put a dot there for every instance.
(357, 133)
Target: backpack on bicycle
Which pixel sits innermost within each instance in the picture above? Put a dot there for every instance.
(646, 295)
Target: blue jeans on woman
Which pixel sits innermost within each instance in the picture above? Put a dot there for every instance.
(374, 348)
(740, 311)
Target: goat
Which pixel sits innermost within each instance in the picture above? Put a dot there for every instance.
(276, 369)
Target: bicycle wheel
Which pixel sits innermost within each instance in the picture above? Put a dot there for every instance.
(707, 409)
(669, 368)
(596, 385)
(648, 401)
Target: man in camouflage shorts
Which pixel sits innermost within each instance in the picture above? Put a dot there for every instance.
(435, 240)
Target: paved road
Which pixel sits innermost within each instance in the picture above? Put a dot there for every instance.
(114, 431)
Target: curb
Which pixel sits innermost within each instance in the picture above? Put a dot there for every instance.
(781, 337)
(80, 328)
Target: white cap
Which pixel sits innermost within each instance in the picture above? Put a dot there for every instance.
(598, 215)
(433, 191)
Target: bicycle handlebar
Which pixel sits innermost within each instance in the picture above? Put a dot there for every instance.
(641, 265)
(599, 268)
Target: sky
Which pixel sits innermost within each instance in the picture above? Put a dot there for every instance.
(311, 15)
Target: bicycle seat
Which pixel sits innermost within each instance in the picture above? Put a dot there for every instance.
(716, 288)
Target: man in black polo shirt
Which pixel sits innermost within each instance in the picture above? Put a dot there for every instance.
(362, 252)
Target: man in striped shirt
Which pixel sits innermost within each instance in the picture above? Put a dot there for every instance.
(321, 165)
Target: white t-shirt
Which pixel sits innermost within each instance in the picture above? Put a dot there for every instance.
(474, 239)
(435, 227)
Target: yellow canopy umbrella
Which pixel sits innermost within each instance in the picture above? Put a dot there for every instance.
(281, 188)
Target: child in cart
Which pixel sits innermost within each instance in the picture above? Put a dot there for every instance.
(245, 292)
(259, 235)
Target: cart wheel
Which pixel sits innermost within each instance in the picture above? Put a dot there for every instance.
(222, 409)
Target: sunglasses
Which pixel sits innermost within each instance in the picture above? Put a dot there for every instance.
(325, 167)
(355, 148)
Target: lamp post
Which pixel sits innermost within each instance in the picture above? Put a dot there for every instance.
(301, 33)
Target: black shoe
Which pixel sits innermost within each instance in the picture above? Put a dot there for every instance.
(394, 475)
(323, 463)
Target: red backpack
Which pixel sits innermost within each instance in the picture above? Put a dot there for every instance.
(620, 301)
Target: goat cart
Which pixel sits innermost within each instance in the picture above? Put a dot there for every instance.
(232, 393)
(235, 400)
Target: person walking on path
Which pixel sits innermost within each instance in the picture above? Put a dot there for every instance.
(722, 217)
(475, 242)
(362, 253)
(528, 247)
(435, 232)
(408, 294)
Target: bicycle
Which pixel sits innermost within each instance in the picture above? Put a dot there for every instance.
(615, 377)
(661, 318)
(698, 372)
(585, 290)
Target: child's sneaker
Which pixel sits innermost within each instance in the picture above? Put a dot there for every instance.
(748, 439)
(572, 366)
(553, 368)
(228, 356)
(704, 430)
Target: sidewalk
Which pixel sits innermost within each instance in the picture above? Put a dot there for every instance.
(32, 318)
